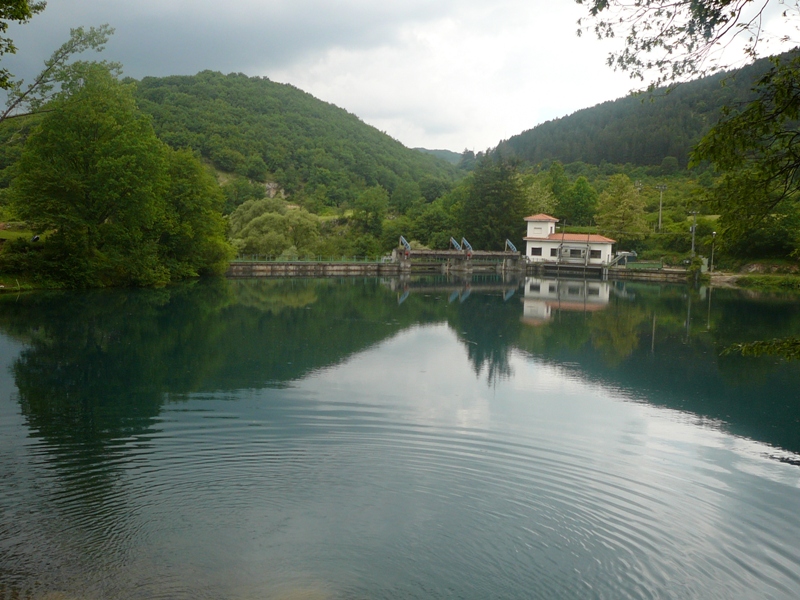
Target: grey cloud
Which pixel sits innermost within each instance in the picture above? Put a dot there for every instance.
(254, 38)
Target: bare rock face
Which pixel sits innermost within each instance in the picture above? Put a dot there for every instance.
(767, 268)
(273, 189)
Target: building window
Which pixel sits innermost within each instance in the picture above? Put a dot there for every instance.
(595, 254)
(552, 288)
(575, 253)
(536, 251)
(553, 251)
(592, 291)
(534, 287)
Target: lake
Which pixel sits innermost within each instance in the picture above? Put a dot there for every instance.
(420, 438)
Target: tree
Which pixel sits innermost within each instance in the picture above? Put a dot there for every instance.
(579, 205)
(433, 225)
(674, 40)
(369, 210)
(559, 183)
(58, 73)
(18, 11)
(239, 190)
(431, 187)
(404, 195)
(494, 208)
(669, 165)
(757, 150)
(620, 210)
(92, 173)
(269, 228)
(120, 207)
(539, 193)
(467, 160)
(193, 241)
(252, 209)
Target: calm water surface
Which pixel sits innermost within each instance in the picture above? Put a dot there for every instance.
(384, 439)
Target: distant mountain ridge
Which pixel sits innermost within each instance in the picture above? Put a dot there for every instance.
(270, 131)
(640, 129)
(452, 157)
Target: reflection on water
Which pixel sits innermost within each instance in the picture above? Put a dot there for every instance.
(397, 438)
(543, 296)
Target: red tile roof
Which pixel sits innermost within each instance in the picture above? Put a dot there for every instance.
(573, 237)
(541, 217)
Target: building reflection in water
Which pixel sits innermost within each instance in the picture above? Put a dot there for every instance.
(543, 296)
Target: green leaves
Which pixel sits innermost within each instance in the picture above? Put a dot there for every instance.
(494, 209)
(266, 227)
(369, 210)
(58, 73)
(672, 41)
(788, 348)
(578, 205)
(193, 242)
(757, 150)
(272, 132)
(120, 206)
(19, 11)
(620, 210)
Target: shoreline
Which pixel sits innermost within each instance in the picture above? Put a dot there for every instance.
(773, 283)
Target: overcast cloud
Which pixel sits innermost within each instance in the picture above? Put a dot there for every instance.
(434, 73)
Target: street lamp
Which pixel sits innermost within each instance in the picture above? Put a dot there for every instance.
(713, 237)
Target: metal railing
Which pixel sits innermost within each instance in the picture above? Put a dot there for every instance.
(645, 265)
(247, 258)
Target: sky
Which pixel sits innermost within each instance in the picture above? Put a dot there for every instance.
(452, 74)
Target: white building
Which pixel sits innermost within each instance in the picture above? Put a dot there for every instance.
(543, 244)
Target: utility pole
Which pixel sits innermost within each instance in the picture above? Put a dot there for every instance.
(713, 237)
(660, 187)
(694, 229)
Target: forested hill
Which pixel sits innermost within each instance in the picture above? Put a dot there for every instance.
(448, 155)
(269, 131)
(641, 129)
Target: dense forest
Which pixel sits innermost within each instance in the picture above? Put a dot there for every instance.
(641, 129)
(271, 132)
(448, 155)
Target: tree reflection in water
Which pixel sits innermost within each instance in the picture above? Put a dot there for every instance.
(99, 366)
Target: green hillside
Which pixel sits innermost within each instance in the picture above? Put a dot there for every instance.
(269, 131)
(639, 129)
(452, 157)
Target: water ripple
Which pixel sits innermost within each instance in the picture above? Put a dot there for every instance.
(202, 502)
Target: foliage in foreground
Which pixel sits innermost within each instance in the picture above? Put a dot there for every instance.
(121, 208)
(19, 11)
(788, 348)
(770, 283)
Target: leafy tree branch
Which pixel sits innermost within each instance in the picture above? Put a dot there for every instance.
(17, 11)
(59, 74)
(678, 39)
